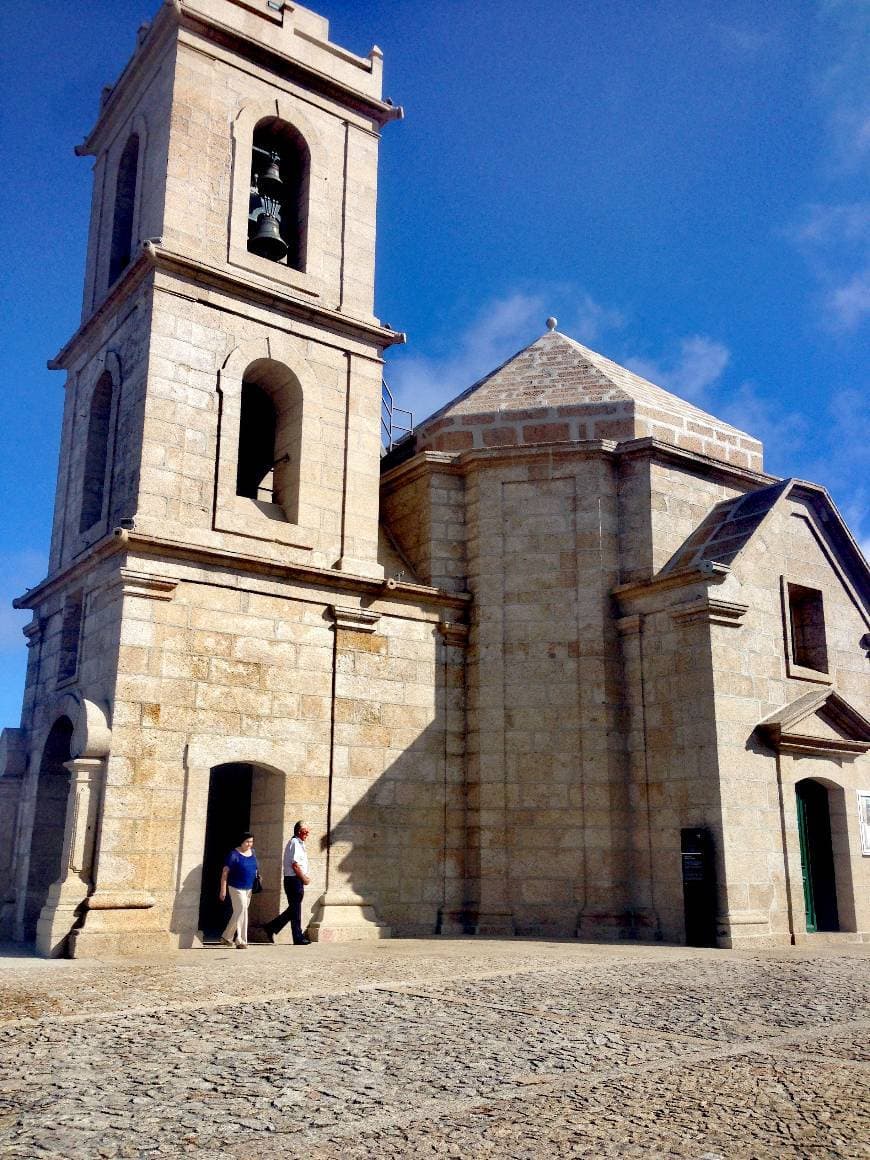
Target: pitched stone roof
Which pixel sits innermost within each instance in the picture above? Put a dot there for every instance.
(557, 390)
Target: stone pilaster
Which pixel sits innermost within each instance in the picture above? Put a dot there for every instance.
(66, 897)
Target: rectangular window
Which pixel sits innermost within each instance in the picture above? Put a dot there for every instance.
(70, 634)
(864, 820)
(807, 622)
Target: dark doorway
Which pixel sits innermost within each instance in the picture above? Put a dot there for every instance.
(49, 823)
(817, 856)
(227, 817)
(699, 886)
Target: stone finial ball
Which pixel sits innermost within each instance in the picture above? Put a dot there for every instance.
(551, 323)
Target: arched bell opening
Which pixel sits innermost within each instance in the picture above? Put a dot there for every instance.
(817, 856)
(270, 437)
(49, 823)
(125, 203)
(241, 797)
(278, 213)
(96, 453)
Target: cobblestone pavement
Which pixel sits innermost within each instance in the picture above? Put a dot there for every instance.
(461, 1047)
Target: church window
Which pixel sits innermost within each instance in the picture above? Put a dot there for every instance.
(278, 208)
(807, 625)
(270, 437)
(70, 634)
(125, 200)
(96, 453)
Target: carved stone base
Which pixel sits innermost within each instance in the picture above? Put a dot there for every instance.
(53, 929)
(452, 922)
(130, 929)
(345, 917)
(496, 923)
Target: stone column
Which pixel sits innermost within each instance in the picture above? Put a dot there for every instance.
(66, 897)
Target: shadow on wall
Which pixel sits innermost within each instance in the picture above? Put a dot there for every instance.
(401, 844)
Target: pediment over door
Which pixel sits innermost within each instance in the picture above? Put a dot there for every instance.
(820, 722)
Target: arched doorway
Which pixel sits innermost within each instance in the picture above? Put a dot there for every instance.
(817, 856)
(241, 797)
(49, 823)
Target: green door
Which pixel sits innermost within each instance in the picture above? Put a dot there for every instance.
(817, 855)
(806, 874)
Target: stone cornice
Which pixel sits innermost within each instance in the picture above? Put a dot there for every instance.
(156, 39)
(154, 256)
(462, 462)
(453, 633)
(355, 619)
(173, 16)
(289, 68)
(649, 448)
(459, 462)
(804, 744)
(709, 573)
(331, 580)
(709, 610)
(146, 584)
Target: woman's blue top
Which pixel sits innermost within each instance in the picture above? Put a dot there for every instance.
(243, 870)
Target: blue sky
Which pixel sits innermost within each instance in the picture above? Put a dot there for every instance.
(685, 185)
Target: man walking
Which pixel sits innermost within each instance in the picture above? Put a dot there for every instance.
(295, 880)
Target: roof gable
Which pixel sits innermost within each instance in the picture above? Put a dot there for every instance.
(820, 722)
(728, 529)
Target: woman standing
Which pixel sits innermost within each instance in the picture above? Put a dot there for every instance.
(237, 876)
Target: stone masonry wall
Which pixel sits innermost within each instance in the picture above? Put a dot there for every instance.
(231, 671)
(752, 681)
(544, 761)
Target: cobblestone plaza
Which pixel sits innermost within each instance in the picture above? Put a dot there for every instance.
(502, 1048)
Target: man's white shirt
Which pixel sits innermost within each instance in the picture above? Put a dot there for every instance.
(295, 852)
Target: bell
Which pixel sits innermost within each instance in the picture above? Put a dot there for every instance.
(267, 240)
(269, 181)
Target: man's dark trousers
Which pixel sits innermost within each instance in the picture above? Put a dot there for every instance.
(294, 889)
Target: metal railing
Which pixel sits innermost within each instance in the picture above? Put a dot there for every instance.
(393, 431)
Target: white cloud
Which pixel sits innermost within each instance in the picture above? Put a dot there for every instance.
(849, 305)
(781, 431)
(423, 383)
(744, 41)
(832, 225)
(835, 242)
(843, 84)
(18, 570)
(689, 373)
(592, 319)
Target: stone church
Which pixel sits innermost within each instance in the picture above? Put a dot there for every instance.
(563, 661)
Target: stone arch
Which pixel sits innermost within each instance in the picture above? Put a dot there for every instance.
(825, 854)
(299, 794)
(280, 141)
(100, 439)
(278, 366)
(47, 843)
(289, 117)
(124, 207)
(92, 734)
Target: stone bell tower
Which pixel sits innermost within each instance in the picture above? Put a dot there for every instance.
(221, 432)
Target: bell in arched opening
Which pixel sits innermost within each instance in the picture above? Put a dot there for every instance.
(266, 239)
(269, 182)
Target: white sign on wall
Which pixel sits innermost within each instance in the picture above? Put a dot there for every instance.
(864, 819)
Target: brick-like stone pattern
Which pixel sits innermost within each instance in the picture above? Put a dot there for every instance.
(556, 391)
